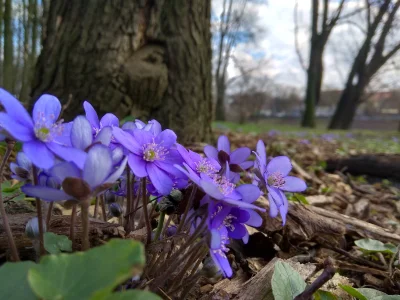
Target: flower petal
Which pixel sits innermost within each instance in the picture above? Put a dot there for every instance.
(23, 161)
(211, 189)
(15, 109)
(39, 154)
(155, 127)
(294, 184)
(117, 154)
(109, 120)
(249, 192)
(240, 155)
(255, 219)
(91, 115)
(46, 109)
(98, 165)
(242, 204)
(246, 165)
(104, 136)
(276, 195)
(129, 126)
(273, 209)
(238, 231)
(64, 170)
(18, 131)
(166, 138)
(211, 152)
(262, 155)
(159, 179)
(223, 144)
(69, 154)
(81, 133)
(280, 164)
(45, 193)
(117, 174)
(137, 165)
(143, 137)
(127, 140)
(169, 168)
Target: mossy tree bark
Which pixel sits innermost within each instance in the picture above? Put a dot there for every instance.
(148, 59)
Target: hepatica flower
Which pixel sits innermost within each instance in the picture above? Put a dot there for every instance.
(218, 249)
(22, 167)
(274, 177)
(42, 135)
(237, 159)
(108, 120)
(97, 175)
(152, 153)
(199, 164)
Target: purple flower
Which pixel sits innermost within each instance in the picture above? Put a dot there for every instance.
(22, 168)
(152, 153)
(304, 141)
(42, 135)
(274, 177)
(236, 159)
(199, 164)
(97, 175)
(233, 218)
(220, 187)
(219, 240)
(46, 179)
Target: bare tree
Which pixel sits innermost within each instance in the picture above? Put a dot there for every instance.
(321, 29)
(234, 22)
(8, 59)
(376, 49)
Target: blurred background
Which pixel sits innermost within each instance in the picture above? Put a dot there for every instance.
(279, 64)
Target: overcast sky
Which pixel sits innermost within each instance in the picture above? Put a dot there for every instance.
(277, 44)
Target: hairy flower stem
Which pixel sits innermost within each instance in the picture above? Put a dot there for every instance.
(39, 212)
(129, 200)
(160, 225)
(103, 207)
(85, 224)
(188, 205)
(49, 213)
(72, 225)
(96, 207)
(6, 225)
(145, 212)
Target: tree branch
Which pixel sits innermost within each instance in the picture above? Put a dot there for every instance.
(296, 40)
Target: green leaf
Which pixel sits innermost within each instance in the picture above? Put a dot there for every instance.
(353, 292)
(370, 293)
(324, 295)
(371, 245)
(14, 281)
(386, 297)
(130, 295)
(54, 243)
(80, 275)
(10, 190)
(286, 282)
(301, 198)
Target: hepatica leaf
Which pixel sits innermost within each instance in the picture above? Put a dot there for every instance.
(80, 275)
(131, 295)
(370, 245)
(14, 281)
(55, 243)
(286, 282)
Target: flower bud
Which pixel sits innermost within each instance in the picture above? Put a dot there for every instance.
(109, 197)
(115, 209)
(32, 228)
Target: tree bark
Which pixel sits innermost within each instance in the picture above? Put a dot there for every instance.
(1, 42)
(220, 103)
(148, 59)
(8, 60)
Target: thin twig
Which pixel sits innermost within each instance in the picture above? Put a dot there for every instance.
(85, 224)
(6, 224)
(129, 205)
(39, 212)
(103, 207)
(188, 206)
(96, 207)
(72, 225)
(391, 271)
(327, 274)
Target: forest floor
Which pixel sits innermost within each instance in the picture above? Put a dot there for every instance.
(352, 218)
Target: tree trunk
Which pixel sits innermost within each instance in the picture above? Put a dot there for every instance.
(148, 59)
(345, 109)
(220, 103)
(8, 72)
(23, 96)
(1, 41)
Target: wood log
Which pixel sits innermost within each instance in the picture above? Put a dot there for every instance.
(379, 165)
(99, 232)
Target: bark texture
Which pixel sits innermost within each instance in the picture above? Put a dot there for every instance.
(8, 66)
(148, 59)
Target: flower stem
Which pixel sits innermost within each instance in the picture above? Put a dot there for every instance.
(85, 224)
(128, 200)
(145, 212)
(96, 207)
(188, 205)
(49, 213)
(6, 224)
(72, 225)
(160, 225)
(103, 207)
(39, 212)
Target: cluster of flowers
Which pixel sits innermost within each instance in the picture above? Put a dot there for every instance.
(86, 157)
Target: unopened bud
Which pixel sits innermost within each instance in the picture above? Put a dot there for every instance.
(115, 209)
(32, 228)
